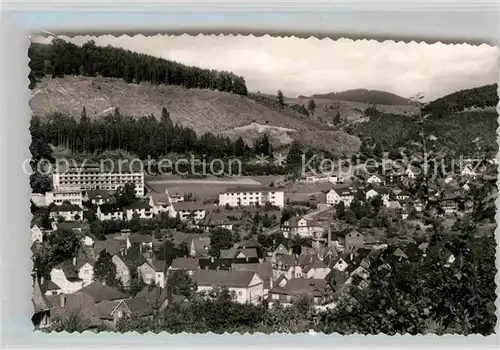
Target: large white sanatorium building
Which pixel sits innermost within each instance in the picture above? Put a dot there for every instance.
(93, 176)
(249, 196)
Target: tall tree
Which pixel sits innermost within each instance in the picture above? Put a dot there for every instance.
(281, 98)
(311, 106)
(220, 238)
(105, 269)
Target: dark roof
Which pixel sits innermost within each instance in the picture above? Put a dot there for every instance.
(48, 285)
(68, 269)
(337, 279)
(40, 303)
(159, 265)
(72, 225)
(248, 244)
(78, 303)
(233, 253)
(224, 264)
(155, 295)
(82, 261)
(95, 194)
(107, 208)
(99, 292)
(264, 270)
(316, 264)
(140, 239)
(111, 245)
(212, 278)
(105, 307)
(139, 306)
(137, 205)
(185, 263)
(184, 206)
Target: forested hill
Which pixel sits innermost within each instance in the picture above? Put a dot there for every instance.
(62, 58)
(480, 97)
(365, 96)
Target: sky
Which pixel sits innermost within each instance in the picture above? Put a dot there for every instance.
(311, 66)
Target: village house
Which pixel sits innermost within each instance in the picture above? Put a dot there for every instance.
(450, 202)
(99, 197)
(140, 209)
(100, 292)
(412, 172)
(153, 272)
(301, 226)
(85, 269)
(286, 265)
(324, 178)
(49, 288)
(217, 220)
(340, 194)
(281, 250)
(247, 253)
(264, 270)
(174, 198)
(187, 264)
(468, 171)
(199, 246)
(194, 211)
(36, 234)
(66, 212)
(252, 196)
(316, 269)
(145, 242)
(375, 179)
(247, 286)
(156, 296)
(66, 276)
(108, 211)
(159, 202)
(289, 290)
(382, 192)
(138, 307)
(122, 269)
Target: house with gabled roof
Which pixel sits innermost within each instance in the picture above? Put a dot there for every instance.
(140, 209)
(264, 270)
(155, 295)
(194, 211)
(217, 220)
(99, 197)
(316, 269)
(66, 276)
(109, 211)
(99, 291)
(340, 194)
(188, 264)
(49, 288)
(375, 179)
(297, 225)
(286, 265)
(66, 212)
(85, 269)
(248, 286)
(159, 202)
(353, 240)
(318, 290)
(80, 304)
(135, 307)
(381, 191)
(250, 253)
(36, 234)
(153, 272)
(41, 307)
(123, 269)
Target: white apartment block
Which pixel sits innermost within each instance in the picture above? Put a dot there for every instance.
(251, 196)
(93, 176)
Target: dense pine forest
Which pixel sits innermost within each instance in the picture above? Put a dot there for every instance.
(63, 58)
(480, 97)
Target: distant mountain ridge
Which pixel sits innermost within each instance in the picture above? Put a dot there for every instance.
(376, 97)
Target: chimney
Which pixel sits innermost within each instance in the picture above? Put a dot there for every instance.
(62, 300)
(74, 261)
(212, 259)
(246, 258)
(217, 268)
(42, 279)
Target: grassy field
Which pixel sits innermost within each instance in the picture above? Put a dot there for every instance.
(205, 189)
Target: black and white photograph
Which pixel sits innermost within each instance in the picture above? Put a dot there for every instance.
(240, 183)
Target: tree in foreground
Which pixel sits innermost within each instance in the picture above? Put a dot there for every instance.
(281, 98)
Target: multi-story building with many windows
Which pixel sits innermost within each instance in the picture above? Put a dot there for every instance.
(99, 176)
(250, 196)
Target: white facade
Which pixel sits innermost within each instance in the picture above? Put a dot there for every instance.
(468, 171)
(113, 215)
(374, 179)
(318, 273)
(70, 215)
(122, 271)
(74, 196)
(321, 179)
(86, 274)
(252, 294)
(186, 213)
(251, 197)
(333, 198)
(142, 213)
(67, 287)
(372, 193)
(90, 177)
(36, 234)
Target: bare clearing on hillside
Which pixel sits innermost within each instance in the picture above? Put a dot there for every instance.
(203, 110)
